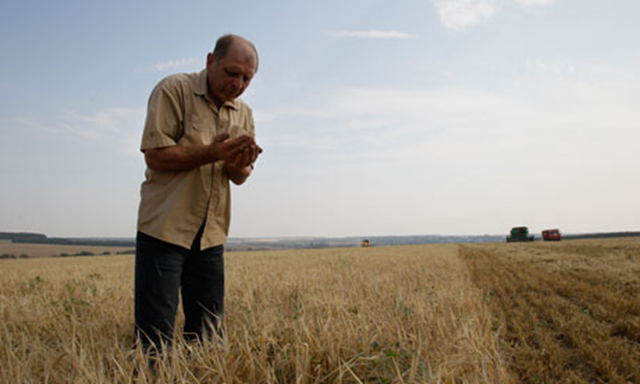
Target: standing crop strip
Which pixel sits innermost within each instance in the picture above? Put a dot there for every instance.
(400, 314)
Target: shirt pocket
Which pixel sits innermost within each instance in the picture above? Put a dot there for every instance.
(236, 125)
(235, 130)
(198, 131)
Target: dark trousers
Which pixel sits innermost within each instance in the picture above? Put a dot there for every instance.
(165, 270)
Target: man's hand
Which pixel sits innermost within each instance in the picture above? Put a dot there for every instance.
(246, 157)
(180, 158)
(228, 150)
(241, 166)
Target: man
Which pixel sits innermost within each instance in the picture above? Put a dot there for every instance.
(198, 135)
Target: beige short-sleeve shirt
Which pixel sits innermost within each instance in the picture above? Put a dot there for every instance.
(174, 205)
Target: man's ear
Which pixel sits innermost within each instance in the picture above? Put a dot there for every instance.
(210, 59)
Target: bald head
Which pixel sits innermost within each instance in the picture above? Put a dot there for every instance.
(226, 42)
(230, 68)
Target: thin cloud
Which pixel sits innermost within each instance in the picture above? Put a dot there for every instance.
(444, 123)
(119, 128)
(462, 14)
(374, 34)
(534, 2)
(459, 15)
(174, 64)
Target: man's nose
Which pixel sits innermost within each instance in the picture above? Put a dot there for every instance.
(238, 82)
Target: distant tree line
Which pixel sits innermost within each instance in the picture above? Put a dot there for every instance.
(86, 242)
(38, 238)
(21, 236)
(601, 235)
(105, 253)
(10, 256)
(64, 254)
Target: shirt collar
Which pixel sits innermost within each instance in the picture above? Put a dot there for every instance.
(200, 88)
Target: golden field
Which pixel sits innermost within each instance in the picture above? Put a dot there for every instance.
(482, 313)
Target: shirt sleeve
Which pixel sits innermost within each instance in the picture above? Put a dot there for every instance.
(163, 126)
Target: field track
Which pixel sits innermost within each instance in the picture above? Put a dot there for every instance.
(565, 312)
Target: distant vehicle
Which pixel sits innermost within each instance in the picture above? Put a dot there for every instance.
(551, 235)
(519, 234)
(365, 243)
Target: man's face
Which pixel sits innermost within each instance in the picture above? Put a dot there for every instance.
(230, 76)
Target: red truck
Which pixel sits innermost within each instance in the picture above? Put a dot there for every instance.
(551, 235)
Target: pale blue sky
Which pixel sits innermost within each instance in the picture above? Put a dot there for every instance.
(377, 117)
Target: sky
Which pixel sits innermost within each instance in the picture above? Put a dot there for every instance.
(377, 117)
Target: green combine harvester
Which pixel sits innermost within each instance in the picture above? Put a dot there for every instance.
(519, 234)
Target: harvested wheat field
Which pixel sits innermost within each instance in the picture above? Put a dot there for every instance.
(566, 312)
(485, 313)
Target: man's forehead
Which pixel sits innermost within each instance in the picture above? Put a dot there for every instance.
(240, 66)
(240, 61)
(242, 51)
